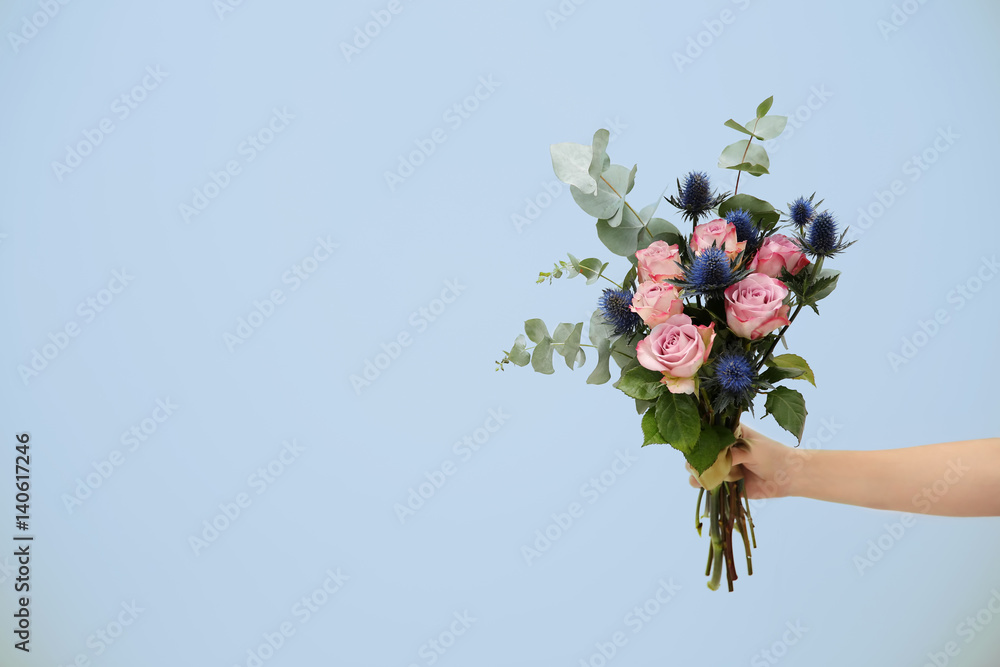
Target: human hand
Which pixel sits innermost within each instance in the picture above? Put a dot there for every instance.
(766, 466)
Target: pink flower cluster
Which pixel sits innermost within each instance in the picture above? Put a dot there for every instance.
(755, 306)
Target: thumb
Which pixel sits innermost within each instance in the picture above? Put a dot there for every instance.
(741, 453)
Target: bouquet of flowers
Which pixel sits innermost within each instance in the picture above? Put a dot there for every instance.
(694, 323)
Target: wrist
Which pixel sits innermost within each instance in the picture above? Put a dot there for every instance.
(798, 470)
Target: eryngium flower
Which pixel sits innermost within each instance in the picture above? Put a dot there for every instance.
(615, 307)
(733, 382)
(746, 230)
(695, 197)
(822, 239)
(801, 211)
(710, 273)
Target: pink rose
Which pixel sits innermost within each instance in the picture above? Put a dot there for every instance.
(655, 302)
(754, 306)
(659, 262)
(719, 232)
(778, 251)
(677, 348)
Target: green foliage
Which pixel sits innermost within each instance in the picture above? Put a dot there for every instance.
(641, 383)
(650, 431)
(745, 156)
(789, 363)
(591, 267)
(679, 421)
(711, 441)
(788, 409)
(762, 212)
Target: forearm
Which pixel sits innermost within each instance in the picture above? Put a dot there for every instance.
(947, 479)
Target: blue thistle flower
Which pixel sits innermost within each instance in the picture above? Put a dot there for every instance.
(734, 380)
(801, 211)
(710, 272)
(823, 234)
(697, 191)
(746, 230)
(734, 373)
(695, 197)
(614, 305)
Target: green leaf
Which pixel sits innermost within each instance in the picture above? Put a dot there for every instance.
(608, 199)
(678, 420)
(623, 352)
(768, 127)
(764, 107)
(774, 375)
(592, 268)
(824, 284)
(712, 440)
(659, 230)
(599, 334)
(621, 238)
(789, 410)
(566, 341)
(541, 357)
(745, 156)
(536, 330)
(736, 126)
(599, 158)
(650, 432)
(763, 213)
(795, 362)
(643, 406)
(571, 164)
(641, 383)
(517, 353)
(629, 282)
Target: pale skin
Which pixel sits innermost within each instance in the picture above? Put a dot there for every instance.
(946, 479)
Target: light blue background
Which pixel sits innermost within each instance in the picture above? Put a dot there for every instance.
(885, 96)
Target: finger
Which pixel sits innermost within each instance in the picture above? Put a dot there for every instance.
(693, 481)
(741, 454)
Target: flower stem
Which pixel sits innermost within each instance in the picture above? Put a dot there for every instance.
(736, 189)
(809, 278)
(715, 532)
